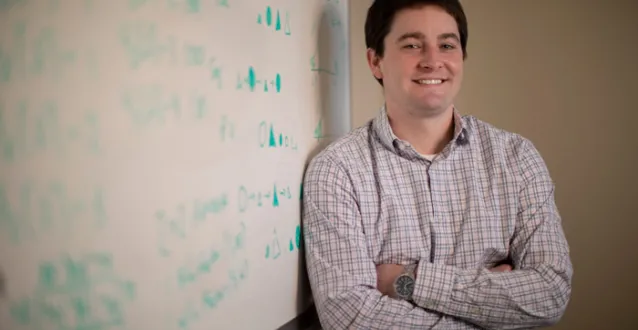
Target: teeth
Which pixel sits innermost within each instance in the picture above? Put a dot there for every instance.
(430, 81)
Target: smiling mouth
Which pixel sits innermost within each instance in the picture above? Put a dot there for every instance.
(432, 82)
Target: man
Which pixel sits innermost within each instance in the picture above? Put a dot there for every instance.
(424, 218)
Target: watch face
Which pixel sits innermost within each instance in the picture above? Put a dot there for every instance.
(404, 286)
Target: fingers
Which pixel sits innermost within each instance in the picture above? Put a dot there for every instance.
(502, 268)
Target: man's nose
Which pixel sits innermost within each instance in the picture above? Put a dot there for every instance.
(430, 59)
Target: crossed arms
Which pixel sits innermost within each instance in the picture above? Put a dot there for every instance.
(343, 276)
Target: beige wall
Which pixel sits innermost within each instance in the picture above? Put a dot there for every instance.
(562, 73)
(366, 92)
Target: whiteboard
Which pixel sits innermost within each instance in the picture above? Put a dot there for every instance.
(152, 155)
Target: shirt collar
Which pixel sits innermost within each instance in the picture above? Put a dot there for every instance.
(381, 125)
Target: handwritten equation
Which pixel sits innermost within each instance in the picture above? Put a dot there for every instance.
(270, 138)
(177, 223)
(77, 293)
(36, 211)
(187, 6)
(250, 81)
(141, 75)
(274, 21)
(43, 55)
(261, 198)
(224, 268)
(27, 130)
(274, 248)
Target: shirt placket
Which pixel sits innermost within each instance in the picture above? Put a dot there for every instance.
(441, 226)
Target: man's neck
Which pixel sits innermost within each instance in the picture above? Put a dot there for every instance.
(427, 134)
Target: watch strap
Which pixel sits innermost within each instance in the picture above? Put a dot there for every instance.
(410, 269)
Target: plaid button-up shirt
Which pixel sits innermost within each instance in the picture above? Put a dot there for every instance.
(370, 198)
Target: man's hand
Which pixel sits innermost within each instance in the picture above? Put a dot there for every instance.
(387, 273)
(501, 268)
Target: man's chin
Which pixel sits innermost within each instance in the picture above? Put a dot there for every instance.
(432, 107)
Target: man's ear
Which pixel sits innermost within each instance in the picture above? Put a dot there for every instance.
(374, 62)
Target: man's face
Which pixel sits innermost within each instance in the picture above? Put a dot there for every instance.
(422, 66)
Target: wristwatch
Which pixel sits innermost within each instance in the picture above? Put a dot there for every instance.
(404, 283)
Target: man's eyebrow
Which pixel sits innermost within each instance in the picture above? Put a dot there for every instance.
(413, 35)
(449, 35)
(421, 36)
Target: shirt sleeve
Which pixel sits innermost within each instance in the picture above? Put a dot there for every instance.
(537, 291)
(342, 274)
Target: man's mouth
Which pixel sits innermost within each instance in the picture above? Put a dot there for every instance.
(429, 81)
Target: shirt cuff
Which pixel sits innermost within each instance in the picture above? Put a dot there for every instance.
(433, 285)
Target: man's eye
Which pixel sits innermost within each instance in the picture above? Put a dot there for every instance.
(411, 46)
(448, 46)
